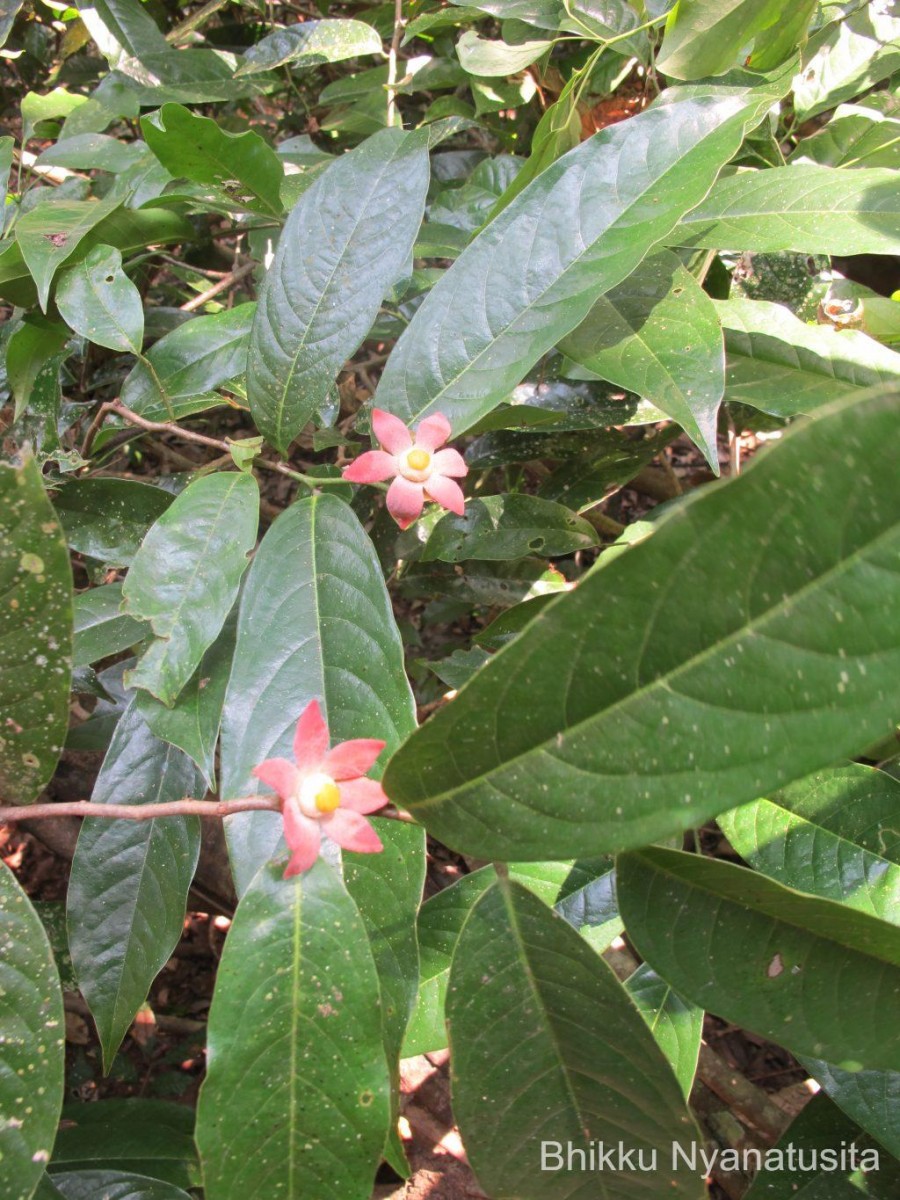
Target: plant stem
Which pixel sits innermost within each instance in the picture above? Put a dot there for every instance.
(392, 63)
(150, 812)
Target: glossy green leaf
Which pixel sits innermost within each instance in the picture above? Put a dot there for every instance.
(35, 634)
(295, 1101)
(577, 230)
(315, 623)
(833, 835)
(545, 14)
(143, 1137)
(101, 628)
(547, 1045)
(50, 233)
(185, 577)
(129, 882)
(871, 1098)
(122, 29)
(706, 37)
(855, 137)
(93, 152)
(107, 519)
(348, 239)
(196, 148)
(509, 526)
(98, 300)
(192, 723)
(310, 44)
(580, 893)
(33, 1043)
(657, 334)
(114, 1185)
(486, 57)
(9, 10)
(29, 349)
(778, 363)
(846, 58)
(676, 1024)
(812, 975)
(122, 228)
(752, 671)
(817, 210)
(819, 1157)
(182, 371)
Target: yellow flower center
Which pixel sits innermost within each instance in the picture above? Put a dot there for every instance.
(415, 465)
(319, 795)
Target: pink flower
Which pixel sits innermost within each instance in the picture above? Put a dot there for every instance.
(420, 471)
(324, 790)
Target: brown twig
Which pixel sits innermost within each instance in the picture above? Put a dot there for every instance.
(222, 286)
(150, 812)
(744, 1098)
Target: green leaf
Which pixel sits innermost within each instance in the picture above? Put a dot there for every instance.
(576, 231)
(310, 44)
(676, 1024)
(101, 628)
(35, 634)
(778, 363)
(315, 623)
(546, 1043)
(33, 1045)
(181, 372)
(545, 14)
(184, 579)
(9, 10)
(196, 148)
(93, 152)
(122, 29)
(486, 57)
(818, 210)
(807, 973)
(706, 37)
(98, 300)
(847, 58)
(508, 526)
(870, 1098)
(458, 668)
(192, 723)
(348, 239)
(30, 348)
(129, 882)
(107, 519)
(657, 334)
(295, 1101)
(50, 233)
(144, 1137)
(757, 669)
(854, 137)
(813, 1160)
(114, 1185)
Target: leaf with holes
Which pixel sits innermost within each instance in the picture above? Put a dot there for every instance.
(98, 300)
(295, 1101)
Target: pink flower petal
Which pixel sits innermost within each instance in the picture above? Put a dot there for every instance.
(303, 837)
(371, 467)
(352, 831)
(351, 759)
(433, 431)
(310, 738)
(405, 501)
(447, 493)
(449, 462)
(362, 795)
(278, 774)
(391, 431)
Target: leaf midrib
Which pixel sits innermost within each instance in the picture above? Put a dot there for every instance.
(663, 680)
